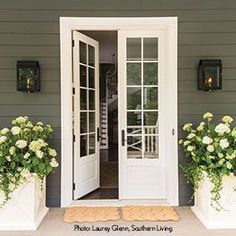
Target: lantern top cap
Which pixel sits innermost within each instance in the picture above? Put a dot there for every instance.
(210, 62)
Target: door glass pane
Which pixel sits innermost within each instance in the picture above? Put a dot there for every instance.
(91, 121)
(91, 100)
(83, 52)
(92, 143)
(83, 145)
(150, 73)
(91, 78)
(83, 76)
(134, 118)
(151, 130)
(151, 147)
(134, 147)
(134, 98)
(83, 122)
(150, 97)
(134, 131)
(83, 99)
(91, 55)
(134, 74)
(150, 118)
(134, 49)
(150, 49)
(142, 98)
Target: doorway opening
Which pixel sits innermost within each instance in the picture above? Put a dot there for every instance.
(108, 116)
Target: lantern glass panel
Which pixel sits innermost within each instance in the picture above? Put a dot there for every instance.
(212, 75)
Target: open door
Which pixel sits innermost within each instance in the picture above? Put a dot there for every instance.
(142, 109)
(86, 114)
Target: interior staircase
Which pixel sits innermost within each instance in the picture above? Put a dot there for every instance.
(107, 105)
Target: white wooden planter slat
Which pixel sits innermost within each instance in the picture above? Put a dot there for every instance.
(26, 208)
(209, 216)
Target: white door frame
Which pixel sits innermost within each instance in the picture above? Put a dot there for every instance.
(67, 25)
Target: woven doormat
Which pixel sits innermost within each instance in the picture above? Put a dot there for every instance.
(149, 213)
(90, 214)
(128, 213)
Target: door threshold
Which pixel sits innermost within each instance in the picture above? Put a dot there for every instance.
(118, 203)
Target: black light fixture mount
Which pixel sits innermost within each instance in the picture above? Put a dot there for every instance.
(210, 75)
(28, 76)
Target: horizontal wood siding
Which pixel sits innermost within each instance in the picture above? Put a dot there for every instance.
(29, 30)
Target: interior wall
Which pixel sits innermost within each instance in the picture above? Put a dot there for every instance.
(107, 44)
(29, 30)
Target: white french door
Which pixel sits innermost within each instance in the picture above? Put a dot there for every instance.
(85, 114)
(142, 114)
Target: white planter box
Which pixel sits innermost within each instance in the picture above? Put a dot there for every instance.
(26, 209)
(209, 216)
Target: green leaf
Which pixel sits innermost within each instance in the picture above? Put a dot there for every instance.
(35, 161)
(41, 166)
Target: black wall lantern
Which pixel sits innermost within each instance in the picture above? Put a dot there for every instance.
(210, 75)
(28, 76)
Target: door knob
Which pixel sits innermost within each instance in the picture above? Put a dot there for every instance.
(122, 137)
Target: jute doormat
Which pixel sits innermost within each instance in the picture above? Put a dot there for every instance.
(128, 213)
(149, 213)
(90, 214)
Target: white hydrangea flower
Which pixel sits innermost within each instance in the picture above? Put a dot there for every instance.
(39, 154)
(190, 136)
(190, 148)
(4, 131)
(8, 158)
(208, 116)
(25, 173)
(29, 124)
(3, 139)
(35, 146)
(207, 140)
(212, 157)
(39, 123)
(15, 130)
(229, 165)
(42, 143)
(224, 143)
(220, 155)
(200, 127)
(181, 141)
(222, 128)
(52, 152)
(20, 120)
(227, 119)
(12, 150)
(221, 162)
(187, 142)
(210, 148)
(21, 143)
(187, 127)
(38, 128)
(54, 163)
(230, 157)
(26, 156)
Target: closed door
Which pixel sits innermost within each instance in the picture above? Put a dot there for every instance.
(142, 114)
(85, 114)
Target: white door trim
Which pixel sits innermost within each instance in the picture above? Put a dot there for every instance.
(67, 25)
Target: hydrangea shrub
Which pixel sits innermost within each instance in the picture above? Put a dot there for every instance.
(211, 149)
(24, 151)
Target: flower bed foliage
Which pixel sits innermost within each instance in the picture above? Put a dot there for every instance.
(24, 151)
(211, 149)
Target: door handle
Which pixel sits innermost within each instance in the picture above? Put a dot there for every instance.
(123, 137)
(98, 134)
